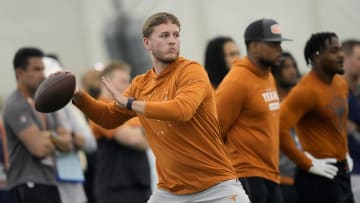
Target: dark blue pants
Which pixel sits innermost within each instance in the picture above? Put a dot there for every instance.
(4, 196)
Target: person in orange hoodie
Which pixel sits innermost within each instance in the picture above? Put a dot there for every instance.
(317, 108)
(248, 109)
(175, 103)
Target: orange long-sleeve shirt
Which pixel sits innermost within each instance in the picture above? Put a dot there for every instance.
(180, 123)
(319, 112)
(109, 133)
(248, 110)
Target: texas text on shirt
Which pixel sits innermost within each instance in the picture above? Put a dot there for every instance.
(250, 128)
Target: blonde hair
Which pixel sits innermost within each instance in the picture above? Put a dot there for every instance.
(158, 19)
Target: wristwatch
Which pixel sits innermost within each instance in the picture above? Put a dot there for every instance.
(129, 103)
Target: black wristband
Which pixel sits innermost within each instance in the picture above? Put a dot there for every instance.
(129, 103)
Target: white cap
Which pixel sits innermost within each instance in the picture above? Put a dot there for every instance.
(51, 66)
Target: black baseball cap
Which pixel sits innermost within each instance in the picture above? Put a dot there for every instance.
(266, 30)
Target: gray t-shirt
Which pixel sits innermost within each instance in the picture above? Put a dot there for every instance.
(24, 167)
(287, 167)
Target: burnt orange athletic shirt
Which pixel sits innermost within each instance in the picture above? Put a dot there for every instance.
(180, 122)
(319, 113)
(248, 111)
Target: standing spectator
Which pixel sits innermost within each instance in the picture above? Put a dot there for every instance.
(32, 136)
(91, 83)
(352, 76)
(286, 77)
(317, 107)
(248, 109)
(82, 139)
(219, 54)
(4, 162)
(122, 169)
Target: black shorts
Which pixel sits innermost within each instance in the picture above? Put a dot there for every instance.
(314, 188)
(31, 193)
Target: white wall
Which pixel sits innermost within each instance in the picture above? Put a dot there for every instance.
(74, 29)
(54, 26)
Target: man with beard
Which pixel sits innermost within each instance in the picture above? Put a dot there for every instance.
(32, 136)
(317, 107)
(175, 103)
(248, 108)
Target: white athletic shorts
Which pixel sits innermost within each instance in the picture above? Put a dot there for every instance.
(230, 191)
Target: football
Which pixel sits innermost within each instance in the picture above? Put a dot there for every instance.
(55, 92)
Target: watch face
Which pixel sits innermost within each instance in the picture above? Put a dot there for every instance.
(129, 103)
